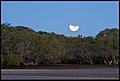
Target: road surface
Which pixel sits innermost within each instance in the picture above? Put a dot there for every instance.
(60, 74)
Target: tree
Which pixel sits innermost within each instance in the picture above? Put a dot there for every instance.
(2, 60)
(52, 48)
(109, 40)
(13, 59)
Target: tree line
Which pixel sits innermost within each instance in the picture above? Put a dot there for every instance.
(23, 46)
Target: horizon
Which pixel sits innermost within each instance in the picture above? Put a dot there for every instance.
(57, 33)
(91, 17)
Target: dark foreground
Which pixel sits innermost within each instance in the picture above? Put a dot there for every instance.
(59, 66)
(69, 73)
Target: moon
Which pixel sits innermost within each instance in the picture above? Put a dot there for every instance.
(73, 27)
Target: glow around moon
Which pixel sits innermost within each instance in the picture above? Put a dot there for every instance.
(73, 27)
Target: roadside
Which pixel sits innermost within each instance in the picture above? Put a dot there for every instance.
(59, 66)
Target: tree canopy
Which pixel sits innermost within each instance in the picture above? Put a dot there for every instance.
(21, 44)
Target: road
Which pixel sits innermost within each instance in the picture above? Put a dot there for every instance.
(60, 74)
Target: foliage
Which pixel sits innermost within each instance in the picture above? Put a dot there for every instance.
(2, 60)
(12, 59)
(20, 43)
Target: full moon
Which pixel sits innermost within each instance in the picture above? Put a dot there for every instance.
(73, 27)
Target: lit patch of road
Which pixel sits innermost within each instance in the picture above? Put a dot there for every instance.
(48, 74)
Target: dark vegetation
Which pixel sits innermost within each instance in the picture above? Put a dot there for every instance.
(23, 46)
